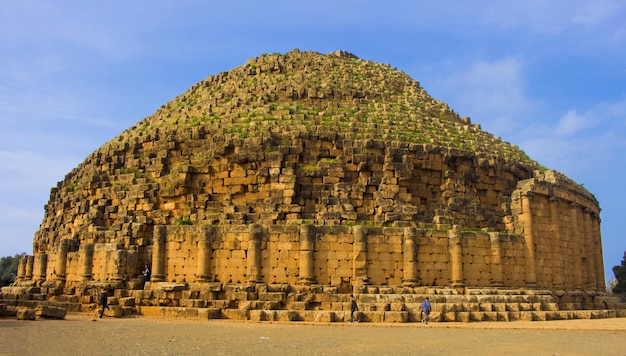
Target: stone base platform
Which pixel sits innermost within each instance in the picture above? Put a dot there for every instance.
(318, 303)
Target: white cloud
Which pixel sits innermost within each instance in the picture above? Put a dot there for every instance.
(16, 216)
(582, 142)
(28, 170)
(604, 116)
(17, 228)
(571, 123)
(550, 17)
(493, 93)
(596, 11)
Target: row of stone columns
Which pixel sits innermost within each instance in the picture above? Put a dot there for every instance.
(584, 237)
(573, 231)
(203, 253)
(27, 264)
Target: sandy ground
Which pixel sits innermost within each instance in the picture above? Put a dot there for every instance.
(81, 334)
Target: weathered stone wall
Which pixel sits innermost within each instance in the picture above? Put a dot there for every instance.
(352, 255)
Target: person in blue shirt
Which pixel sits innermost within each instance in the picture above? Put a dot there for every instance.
(426, 309)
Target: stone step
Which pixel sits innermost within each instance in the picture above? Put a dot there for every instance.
(181, 312)
(330, 316)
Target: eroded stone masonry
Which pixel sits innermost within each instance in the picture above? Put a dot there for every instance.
(272, 191)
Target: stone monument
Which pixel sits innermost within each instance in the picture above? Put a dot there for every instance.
(273, 190)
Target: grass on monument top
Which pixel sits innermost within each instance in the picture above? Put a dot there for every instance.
(397, 114)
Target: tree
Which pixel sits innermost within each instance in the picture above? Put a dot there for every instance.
(620, 276)
(8, 268)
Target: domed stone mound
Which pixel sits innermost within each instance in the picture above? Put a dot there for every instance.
(306, 169)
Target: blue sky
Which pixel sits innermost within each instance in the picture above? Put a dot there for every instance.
(549, 76)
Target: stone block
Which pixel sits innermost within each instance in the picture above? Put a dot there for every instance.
(581, 314)
(86, 299)
(396, 317)
(563, 315)
(434, 317)
(540, 315)
(490, 316)
(448, 316)
(527, 315)
(547, 306)
(193, 303)
(114, 311)
(128, 311)
(26, 314)
(297, 305)
(211, 313)
(272, 296)
(127, 302)
(324, 316)
(463, 317)
(258, 315)
(477, 316)
(287, 315)
(471, 307)
(513, 307)
(397, 307)
(370, 316)
(171, 286)
(148, 310)
(513, 315)
(235, 314)
(47, 311)
(552, 315)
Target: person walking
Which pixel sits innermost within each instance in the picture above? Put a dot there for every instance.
(104, 301)
(353, 308)
(426, 309)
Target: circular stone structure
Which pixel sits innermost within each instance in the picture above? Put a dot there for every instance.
(309, 170)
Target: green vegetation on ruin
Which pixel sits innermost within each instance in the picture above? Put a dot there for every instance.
(277, 100)
(310, 92)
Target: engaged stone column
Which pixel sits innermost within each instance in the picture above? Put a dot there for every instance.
(527, 222)
(254, 253)
(557, 253)
(21, 269)
(29, 268)
(62, 260)
(576, 247)
(496, 260)
(589, 251)
(409, 251)
(359, 256)
(158, 254)
(42, 265)
(203, 273)
(307, 252)
(456, 257)
(597, 239)
(87, 254)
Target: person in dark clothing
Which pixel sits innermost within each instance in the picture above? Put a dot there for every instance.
(104, 301)
(426, 309)
(353, 307)
(146, 276)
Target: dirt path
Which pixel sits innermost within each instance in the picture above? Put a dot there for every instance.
(82, 335)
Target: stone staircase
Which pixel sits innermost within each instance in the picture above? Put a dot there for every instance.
(262, 302)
